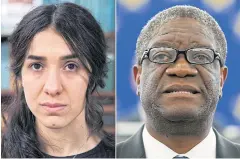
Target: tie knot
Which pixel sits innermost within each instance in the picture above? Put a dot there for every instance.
(179, 156)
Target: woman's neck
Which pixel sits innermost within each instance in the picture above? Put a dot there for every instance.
(73, 139)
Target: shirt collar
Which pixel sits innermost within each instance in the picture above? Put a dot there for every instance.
(155, 149)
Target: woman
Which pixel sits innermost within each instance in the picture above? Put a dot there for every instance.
(58, 60)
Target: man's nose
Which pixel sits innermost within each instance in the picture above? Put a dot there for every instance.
(181, 68)
(53, 85)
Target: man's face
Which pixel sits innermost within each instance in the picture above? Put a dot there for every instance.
(54, 81)
(180, 91)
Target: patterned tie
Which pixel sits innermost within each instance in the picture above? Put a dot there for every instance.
(179, 156)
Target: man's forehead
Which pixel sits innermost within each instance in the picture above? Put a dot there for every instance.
(183, 30)
(184, 23)
(174, 40)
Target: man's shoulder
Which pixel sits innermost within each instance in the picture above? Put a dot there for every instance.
(226, 148)
(127, 143)
(237, 146)
(234, 144)
(232, 147)
(123, 144)
(132, 147)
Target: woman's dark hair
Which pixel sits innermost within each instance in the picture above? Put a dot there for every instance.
(86, 40)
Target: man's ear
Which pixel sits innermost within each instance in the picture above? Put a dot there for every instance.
(223, 76)
(137, 70)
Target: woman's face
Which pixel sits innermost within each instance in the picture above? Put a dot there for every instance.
(54, 81)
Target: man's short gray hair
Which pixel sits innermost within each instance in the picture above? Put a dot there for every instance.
(155, 23)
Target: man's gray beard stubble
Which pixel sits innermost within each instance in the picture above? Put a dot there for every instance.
(194, 127)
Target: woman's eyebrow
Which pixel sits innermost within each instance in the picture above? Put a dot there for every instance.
(34, 57)
(72, 56)
(42, 58)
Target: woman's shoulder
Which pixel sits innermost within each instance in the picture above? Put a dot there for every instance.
(104, 149)
(108, 142)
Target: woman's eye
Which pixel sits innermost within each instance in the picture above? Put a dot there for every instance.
(36, 67)
(71, 67)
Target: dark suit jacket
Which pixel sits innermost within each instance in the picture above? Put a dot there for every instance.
(134, 148)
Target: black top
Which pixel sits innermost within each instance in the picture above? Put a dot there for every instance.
(100, 151)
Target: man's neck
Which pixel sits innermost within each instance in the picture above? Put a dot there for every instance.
(179, 143)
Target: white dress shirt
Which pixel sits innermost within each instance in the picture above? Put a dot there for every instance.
(155, 149)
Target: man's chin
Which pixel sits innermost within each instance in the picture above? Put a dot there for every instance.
(180, 116)
(175, 113)
(178, 119)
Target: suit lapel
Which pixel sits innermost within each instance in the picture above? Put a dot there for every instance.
(133, 147)
(225, 148)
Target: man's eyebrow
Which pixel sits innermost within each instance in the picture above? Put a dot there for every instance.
(72, 56)
(169, 44)
(197, 45)
(162, 44)
(34, 57)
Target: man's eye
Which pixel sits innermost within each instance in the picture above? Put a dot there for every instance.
(71, 67)
(202, 58)
(161, 57)
(36, 66)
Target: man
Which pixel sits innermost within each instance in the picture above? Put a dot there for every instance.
(181, 54)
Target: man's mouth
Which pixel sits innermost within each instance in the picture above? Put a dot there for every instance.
(181, 89)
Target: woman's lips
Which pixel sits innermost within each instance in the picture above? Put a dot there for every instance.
(53, 107)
